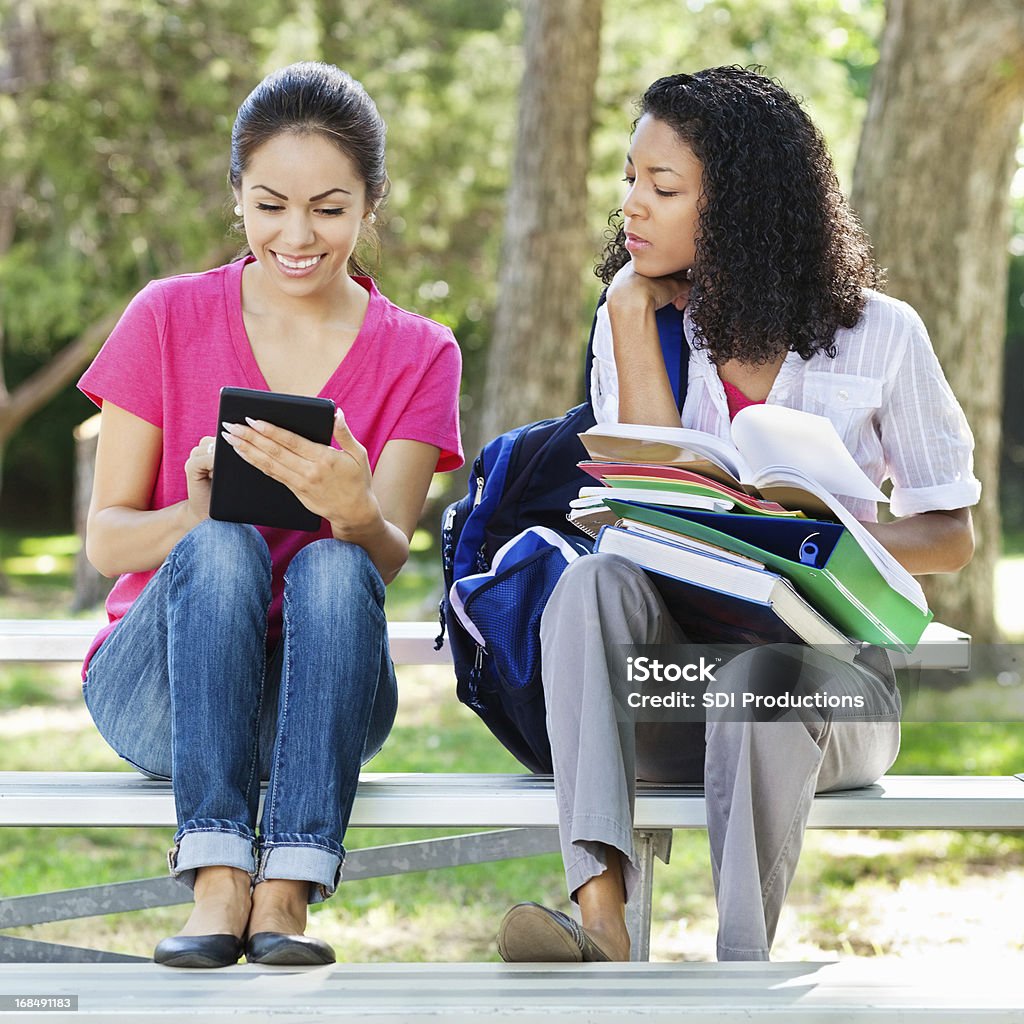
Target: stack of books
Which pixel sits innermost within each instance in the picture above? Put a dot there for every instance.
(748, 538)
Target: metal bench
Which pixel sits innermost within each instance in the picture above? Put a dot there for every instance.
(520, 807)
(861, 991)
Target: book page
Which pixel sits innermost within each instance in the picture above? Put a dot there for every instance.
(637, 442)
(590, 496)
(675, 478)
(772, 435)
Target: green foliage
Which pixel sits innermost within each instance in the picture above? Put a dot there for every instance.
(960, 748)
(117, 137)
(115, 146)
(25, 685)
(820, 50)
(40, 561)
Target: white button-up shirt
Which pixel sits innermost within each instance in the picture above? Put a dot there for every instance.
(884, 391)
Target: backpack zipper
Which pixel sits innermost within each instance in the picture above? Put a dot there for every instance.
(441, 621)
(474, 679)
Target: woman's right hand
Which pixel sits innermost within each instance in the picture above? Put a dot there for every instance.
(632, 290)
(645, 393)
(199, 478)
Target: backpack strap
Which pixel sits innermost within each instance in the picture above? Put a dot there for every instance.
(674, 347)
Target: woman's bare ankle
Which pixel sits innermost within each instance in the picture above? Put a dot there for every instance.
(222, 902)
(611, 936)
(279, 905)
(602, 902)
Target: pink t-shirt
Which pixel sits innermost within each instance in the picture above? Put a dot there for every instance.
(183, 338)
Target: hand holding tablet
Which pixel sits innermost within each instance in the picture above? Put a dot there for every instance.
(243, 493)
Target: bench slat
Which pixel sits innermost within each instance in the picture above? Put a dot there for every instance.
(865, 990)
(412, 643)
(489, 801)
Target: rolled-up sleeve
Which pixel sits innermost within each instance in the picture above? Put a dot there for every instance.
(927, 441)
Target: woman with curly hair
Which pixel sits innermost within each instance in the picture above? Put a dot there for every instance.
(733, 214)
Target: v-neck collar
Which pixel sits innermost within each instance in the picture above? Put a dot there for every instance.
(708, 369)
(343, 373)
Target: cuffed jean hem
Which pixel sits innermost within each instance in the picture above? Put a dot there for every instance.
(303, 862)
(587, 831)
(725, 953)
(208, 843)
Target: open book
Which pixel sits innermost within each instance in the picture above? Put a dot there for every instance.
(779, 454)
(784, 455)
(673, 479)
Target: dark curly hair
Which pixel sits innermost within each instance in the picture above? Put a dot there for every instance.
(780, 257)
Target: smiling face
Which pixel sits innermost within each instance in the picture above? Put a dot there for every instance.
(661, 210)
(302, 203)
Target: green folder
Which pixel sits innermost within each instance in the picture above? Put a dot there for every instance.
(822, 560)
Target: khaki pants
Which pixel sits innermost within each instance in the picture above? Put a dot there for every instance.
(760, 777)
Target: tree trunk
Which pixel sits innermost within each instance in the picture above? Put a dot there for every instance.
(535, 358)
(932, 185)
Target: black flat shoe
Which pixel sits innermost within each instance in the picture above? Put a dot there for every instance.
(198, 951)
(288, 950)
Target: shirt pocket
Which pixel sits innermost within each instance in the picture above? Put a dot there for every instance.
(846, 399)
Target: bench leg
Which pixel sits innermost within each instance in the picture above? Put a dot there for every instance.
(648, 845)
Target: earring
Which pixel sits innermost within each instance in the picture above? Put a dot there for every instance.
(372, 218)
(238, 210)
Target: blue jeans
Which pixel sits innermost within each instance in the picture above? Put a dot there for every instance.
(183, 689)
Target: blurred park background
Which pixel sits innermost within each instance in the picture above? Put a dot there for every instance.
(507, 121)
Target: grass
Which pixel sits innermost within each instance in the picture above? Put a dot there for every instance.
(43, 563)
(856, 893)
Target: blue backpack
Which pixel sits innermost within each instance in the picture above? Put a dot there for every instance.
(522, 480)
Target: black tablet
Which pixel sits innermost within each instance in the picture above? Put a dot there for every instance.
(244, 494)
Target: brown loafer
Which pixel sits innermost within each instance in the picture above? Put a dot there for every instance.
(530, 933)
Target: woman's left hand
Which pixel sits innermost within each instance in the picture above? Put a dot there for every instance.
(335, 483)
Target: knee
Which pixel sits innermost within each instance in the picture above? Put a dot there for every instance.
(328, 569)
(762, 671)
(758, 691)
(234, 552)
(592, 572)
(590, 579)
